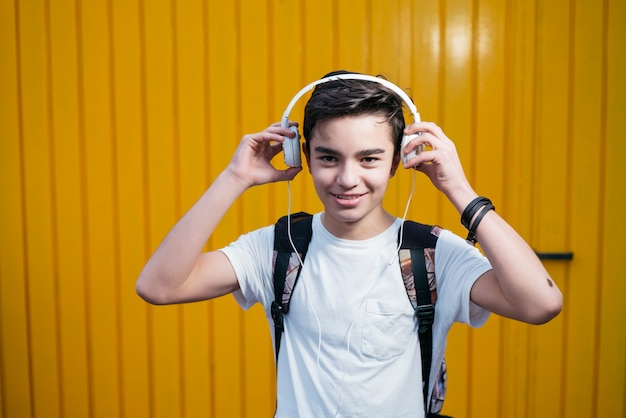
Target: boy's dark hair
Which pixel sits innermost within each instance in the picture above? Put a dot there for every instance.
(340, 98)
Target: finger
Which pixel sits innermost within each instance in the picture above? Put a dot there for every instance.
(265, 137)
(279, 130)
(279, 124)
(424, 158)
(425, 168)
(429, 127)
(418, 143)
(287, 174)
(275, 148)
(425, 161)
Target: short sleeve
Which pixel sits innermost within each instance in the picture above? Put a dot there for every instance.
(458, 266)
(251, 258)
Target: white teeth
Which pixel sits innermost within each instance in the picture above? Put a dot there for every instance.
(346, 197)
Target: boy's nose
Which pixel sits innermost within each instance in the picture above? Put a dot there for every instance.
(347, 177)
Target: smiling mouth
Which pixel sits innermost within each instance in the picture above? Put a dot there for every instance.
(347, 197)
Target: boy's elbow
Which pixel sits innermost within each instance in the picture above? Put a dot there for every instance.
(548, 310)
(149, 292)
(144, 293)
(554, 309)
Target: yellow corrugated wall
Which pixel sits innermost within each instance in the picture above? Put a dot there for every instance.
(116, 114)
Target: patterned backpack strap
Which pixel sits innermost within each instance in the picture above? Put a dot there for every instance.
(287, 265)
(417, 256)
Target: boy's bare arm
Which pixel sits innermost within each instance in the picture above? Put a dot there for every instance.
(178, 271)
(519, 286)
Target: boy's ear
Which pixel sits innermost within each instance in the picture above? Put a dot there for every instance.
(394, 165)
(307, 154)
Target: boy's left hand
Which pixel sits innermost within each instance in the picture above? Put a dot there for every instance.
(439, 161)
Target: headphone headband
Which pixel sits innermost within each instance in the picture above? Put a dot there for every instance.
(388, 84)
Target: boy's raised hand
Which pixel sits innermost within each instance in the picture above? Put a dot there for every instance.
(440, 161)
(251, 163)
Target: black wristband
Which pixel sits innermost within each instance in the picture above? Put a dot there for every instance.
(471, 238)
(471, 210)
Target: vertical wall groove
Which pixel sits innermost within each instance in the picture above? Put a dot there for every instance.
(271, 76)
(54, 227)
(601, 221)
(533, 206)
(206, 9)
(569, 196)
(367, 42)
(475, 31)
(84, 203)
(272, 104)
(441, 83)
(238, 111)
(471, 169)
(146, 195)
(115, 203)
(335, 34)
(509, 99)
(177, 192)
(23, 201)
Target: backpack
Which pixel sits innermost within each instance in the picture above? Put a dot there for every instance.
(416, 256)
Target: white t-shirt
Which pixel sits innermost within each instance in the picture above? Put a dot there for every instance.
(350, 347)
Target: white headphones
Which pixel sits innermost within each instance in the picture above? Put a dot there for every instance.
(291, 146)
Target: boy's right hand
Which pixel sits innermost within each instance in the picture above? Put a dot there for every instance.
(251, 163)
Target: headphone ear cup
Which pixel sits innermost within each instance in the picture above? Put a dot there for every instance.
(291, 149)
(405, 140)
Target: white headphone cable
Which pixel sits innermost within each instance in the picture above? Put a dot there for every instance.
(406, 210)
(317, 319)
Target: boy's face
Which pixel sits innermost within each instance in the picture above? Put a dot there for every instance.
(351, 160)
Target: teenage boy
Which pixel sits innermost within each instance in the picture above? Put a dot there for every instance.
(349, 347)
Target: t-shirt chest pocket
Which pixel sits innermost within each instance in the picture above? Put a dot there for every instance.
(387, 328)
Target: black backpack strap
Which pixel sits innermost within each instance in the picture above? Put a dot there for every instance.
(287, 265)
(418, 241)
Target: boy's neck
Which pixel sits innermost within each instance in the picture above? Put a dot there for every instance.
(358, 230)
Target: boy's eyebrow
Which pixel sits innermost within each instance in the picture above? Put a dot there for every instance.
(362, 153)
(368, 152)
(324, 150)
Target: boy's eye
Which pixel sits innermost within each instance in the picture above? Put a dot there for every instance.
(327, 158)
(370, 159)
